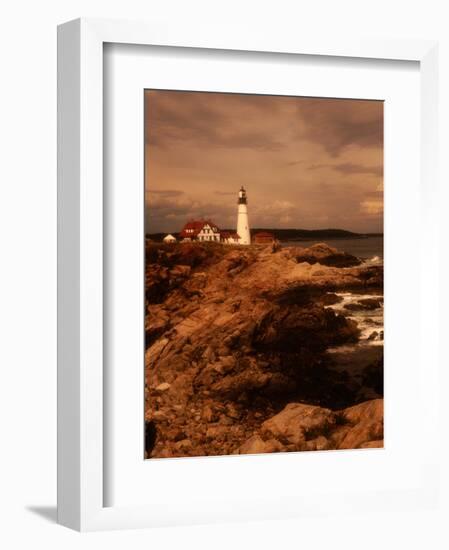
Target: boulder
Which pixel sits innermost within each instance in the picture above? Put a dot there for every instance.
(371, 303)
(325, 255)
(366, 424)
(330, 298)
(163, 387)
(377, 444)
(293, 328)
(153, 353)
(183, 445)
(318, 444)
(253, 445)
(208, 414)
(365, 304)
(298, 422)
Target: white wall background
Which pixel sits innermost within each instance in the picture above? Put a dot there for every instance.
(28, 269)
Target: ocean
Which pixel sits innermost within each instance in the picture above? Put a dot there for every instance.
(370, 322)
(367, 248)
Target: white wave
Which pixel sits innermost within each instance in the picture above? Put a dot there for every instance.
(375, 260)
(368, 321)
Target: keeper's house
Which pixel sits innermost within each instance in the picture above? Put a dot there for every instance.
(200, 230)
(207, 230)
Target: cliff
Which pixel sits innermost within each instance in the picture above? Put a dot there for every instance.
(236, 356)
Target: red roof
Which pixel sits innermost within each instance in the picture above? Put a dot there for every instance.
(264, 234)
(193, 227)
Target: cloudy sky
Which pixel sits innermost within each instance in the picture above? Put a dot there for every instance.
(306, 163)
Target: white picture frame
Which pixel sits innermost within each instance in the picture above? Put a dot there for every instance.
(81, 488)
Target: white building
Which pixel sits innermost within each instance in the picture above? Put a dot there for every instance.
(169, 239)
(200, 230)
(209, 232)
(229, 238)
(242, 218)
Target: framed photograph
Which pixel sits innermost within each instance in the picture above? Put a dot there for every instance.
(237, 333)
(260, 336)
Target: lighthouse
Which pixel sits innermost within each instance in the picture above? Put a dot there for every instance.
(242, 218)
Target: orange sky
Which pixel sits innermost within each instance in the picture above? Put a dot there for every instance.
(306, 163)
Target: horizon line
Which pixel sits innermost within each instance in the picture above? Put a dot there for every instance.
(286, 229)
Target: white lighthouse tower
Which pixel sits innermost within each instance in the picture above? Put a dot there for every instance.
(242, 218)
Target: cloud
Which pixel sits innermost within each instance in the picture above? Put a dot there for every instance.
(200, 118)
(337, 123)
(170, 214)
(350, 168)
(305, 162)
(165, 192)
(274, 214)
(372, 207)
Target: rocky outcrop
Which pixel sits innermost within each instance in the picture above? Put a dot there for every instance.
(323, 254)
(300, 427)
(233, 335)
(365, 304)
(363, 425)
(292, 328)
(298, 423)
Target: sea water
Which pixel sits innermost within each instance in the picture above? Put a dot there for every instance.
(368, 351)
(370, 251)
(369, 321)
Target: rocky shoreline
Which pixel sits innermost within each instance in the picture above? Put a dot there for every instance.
(240, 351)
